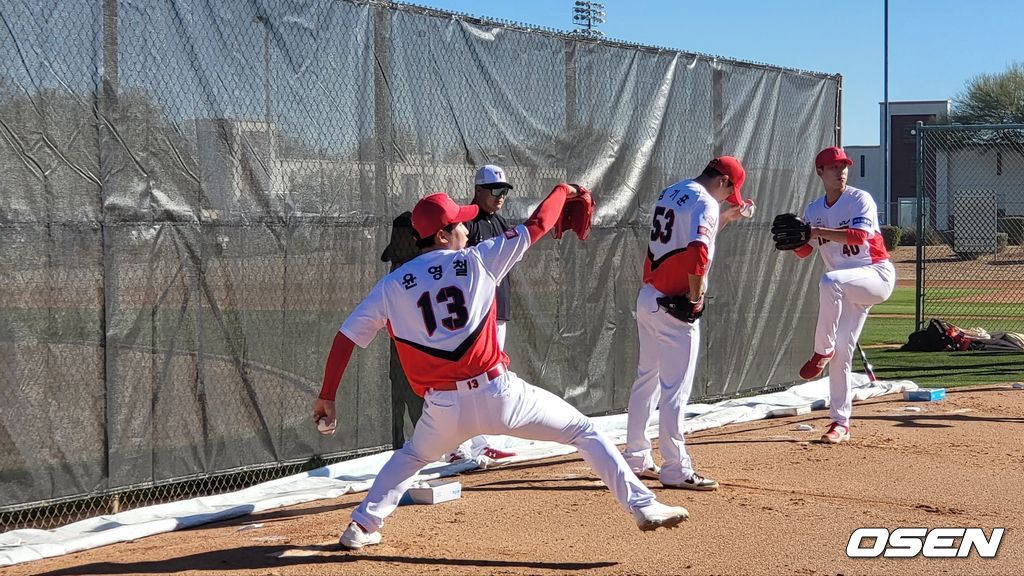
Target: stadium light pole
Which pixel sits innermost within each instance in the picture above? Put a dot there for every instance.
(588, 15)
(886, 137)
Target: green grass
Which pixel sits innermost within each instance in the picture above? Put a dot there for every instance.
(939, 301)
(894, 331)
(940, 369)
(891, 331)
(993, 316)
(946, 369)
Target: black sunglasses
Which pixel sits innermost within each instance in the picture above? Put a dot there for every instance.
(499, 191)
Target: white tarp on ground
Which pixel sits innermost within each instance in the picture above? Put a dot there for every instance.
(332, 481)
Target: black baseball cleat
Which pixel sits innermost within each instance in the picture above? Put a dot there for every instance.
(695, 482)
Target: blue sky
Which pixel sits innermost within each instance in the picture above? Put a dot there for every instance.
(935, 46)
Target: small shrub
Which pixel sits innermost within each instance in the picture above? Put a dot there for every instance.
(909, 237)
(1002, 238)
(891, 236)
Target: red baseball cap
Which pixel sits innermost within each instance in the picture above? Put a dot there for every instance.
(831, 155)
(436, 211)
(731, 167)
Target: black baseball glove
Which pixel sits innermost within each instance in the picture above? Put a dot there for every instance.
(681, 308)
(790, 232)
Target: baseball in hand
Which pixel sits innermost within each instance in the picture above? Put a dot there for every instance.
(326, 428)
(748, 209)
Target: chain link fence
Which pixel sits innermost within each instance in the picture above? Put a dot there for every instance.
(195, 194)
(970, 226)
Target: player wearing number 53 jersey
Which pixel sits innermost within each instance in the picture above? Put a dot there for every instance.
(858, 275)
(439, 309)
(686, 219)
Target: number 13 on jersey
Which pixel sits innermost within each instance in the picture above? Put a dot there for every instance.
(458, 315)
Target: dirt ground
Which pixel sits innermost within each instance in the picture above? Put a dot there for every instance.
(786, 506)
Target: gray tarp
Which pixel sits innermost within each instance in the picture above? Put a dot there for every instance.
(194, 195)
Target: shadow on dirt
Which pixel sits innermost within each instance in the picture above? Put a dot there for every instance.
(273, 558)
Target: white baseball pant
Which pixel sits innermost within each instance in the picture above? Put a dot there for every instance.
(476, 445)
(504, 405)
(845, 296)
(664, 377)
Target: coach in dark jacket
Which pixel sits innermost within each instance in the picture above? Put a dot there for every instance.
(489, 194)
(490, 188)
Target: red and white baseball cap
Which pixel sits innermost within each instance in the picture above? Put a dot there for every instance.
(831, 155)
(436, 211)
(731, 167)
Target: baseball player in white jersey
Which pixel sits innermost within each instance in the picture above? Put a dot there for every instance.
(439, 310)
(686, 220)
(844, 227)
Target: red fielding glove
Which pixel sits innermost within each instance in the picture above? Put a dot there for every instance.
(577, 215)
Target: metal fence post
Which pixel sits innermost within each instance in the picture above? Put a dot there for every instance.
(919, 265)
(106, 112)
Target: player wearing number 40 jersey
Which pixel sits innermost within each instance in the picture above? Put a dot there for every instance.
(858, 275)
(686, 220)
(439, 309)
